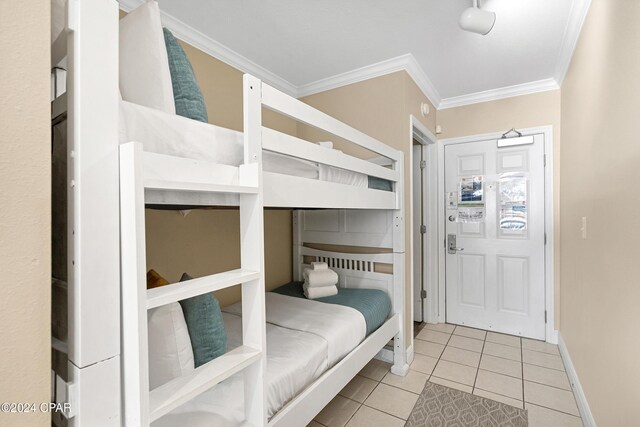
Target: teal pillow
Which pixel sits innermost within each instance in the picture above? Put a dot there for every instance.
(206, 326)
(186, 91)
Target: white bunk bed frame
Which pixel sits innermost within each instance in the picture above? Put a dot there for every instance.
(109, 185)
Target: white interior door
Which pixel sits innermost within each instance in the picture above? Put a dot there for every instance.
(495, 258)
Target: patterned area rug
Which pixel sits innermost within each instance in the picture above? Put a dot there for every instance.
(440, 406)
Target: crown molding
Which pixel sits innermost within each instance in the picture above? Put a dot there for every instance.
(577, 16)
(406, 63)
(421, 78)
(500, 93)
(211, 47)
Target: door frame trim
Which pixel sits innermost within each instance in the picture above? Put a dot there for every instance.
(439, 288)
(430, 143)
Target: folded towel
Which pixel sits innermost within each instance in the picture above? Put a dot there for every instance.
(320, 292)
(317, 278)
(319, 266)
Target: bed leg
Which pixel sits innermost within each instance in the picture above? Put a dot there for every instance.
(400, 366)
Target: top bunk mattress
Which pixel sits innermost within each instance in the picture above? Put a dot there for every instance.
(373, 304)
(182, 137)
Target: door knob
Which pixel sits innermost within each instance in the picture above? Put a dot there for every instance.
(451, 246)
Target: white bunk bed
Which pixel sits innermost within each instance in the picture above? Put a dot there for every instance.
(110, 185)
(170, 178)
(308, 171)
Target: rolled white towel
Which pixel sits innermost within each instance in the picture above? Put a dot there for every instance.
(319, 266)
(320, 292)
(318, 278)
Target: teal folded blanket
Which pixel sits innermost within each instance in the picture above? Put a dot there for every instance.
(380, 184)
(374, 304)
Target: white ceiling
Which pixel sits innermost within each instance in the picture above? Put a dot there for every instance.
(302, 43)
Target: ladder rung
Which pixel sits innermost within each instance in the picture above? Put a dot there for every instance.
(169, 396)
(161, 184)
(190, 288)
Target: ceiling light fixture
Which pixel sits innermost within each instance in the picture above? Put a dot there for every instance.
(476, 20)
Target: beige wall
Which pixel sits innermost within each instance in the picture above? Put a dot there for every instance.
(177, 244)
(207, 241)
(221, 86)
(600, 156)
(539, 109)
(25, 209)
(379, 107)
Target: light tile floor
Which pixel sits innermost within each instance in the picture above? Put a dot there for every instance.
(517, 371)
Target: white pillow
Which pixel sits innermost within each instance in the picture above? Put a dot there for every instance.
(170, 351)
(145, 78)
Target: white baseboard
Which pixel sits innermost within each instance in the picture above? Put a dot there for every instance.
(552, 337)
(578, 392)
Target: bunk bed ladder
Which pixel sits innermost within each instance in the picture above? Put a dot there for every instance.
(141, 406)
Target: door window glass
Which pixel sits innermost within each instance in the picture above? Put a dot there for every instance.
(512, 203)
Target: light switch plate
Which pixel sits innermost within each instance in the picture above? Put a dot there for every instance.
(583, 229)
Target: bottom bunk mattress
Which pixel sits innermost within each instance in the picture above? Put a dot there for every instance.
(181, 137)
(305, 338)
(294, 359)
(373, 304)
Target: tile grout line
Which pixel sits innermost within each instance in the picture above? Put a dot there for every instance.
(443, 350)
(499, 394)
(521, 361)
(360, 405)
(377, 409)
(543, 352)
(440, 358)
(380, 410)
(344, 397)
(441, 353)
(399, 388)
(546, 367)
(500, 373)
(555, 410)
(479, 362)
(549, 385)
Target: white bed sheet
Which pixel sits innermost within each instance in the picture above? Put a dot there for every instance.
(308, 339)
(343, 328)
(294, 359)
(178, 136)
